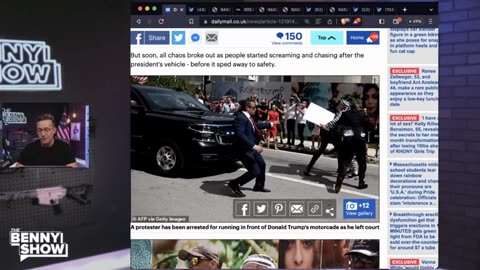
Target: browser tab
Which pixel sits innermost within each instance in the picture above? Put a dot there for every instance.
(247, 10)
(361, 10)
(343, 11)
(174, 9)
(272, 10)
(192, 10)
(319, 10)
(295, 11)
(225, 11)
(390, 10)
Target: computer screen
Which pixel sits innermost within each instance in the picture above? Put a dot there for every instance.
(308, 120)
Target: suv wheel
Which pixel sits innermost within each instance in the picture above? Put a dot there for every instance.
(167, 159)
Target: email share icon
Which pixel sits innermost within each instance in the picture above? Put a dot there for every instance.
(296, 209)
(211, 37)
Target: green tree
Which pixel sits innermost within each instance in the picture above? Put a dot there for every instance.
(171, 83)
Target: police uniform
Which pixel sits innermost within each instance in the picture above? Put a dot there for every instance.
(352, 127)
(327, 137)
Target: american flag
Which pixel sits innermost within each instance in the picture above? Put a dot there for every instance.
(140, 79)
(63, 130)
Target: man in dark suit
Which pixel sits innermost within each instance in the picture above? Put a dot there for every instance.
(248, 136)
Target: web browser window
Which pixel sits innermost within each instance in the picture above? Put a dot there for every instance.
(256, 124)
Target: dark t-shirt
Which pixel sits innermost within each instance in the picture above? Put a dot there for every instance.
(261, 115)
(354, 119)
(59, 154)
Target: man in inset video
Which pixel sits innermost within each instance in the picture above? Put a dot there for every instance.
(364, 254)
(47, 151)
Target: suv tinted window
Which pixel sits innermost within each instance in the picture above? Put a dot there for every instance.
(171, 100)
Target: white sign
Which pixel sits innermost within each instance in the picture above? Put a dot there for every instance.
(75, 130)
(318, 115)
(28, 66)
(38, 244)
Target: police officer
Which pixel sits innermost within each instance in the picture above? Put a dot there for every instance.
(352, 127)
(328, 135)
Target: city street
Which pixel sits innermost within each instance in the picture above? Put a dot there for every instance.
(203, 195)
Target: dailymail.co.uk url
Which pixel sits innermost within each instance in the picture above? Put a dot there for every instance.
(250, 21)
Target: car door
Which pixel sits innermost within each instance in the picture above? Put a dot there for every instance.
(137, 122)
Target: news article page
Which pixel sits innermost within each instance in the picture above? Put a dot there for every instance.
(244, 141)
(64, 166)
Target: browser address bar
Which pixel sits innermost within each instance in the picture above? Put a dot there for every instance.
(251, 21)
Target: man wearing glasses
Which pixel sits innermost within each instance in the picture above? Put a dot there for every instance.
(364, 254)
(47, 151)
(200, 257)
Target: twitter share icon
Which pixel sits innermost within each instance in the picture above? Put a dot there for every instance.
(260, 209)
(178, 38)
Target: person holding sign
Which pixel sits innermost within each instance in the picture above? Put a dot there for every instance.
(328, 136)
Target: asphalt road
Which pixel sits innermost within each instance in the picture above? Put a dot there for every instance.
(202, 194)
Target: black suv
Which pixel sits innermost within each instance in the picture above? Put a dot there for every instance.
(174, 130)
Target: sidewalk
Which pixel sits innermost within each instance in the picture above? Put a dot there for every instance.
(371, 159)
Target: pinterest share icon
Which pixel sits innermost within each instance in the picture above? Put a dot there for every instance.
(279, 208)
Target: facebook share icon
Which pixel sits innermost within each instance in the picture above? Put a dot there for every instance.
(241, 208)
(244, 209)
(137, 37)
